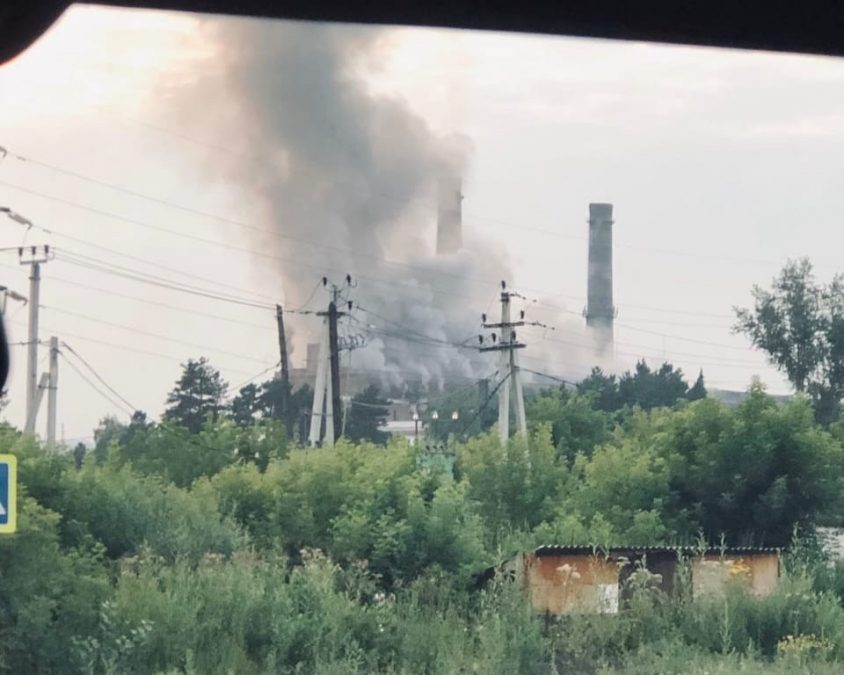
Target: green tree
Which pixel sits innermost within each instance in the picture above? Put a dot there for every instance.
(698, 389)
(577, 427)
(301, 404)
(649, 389)
(366, 415)
(48, 594)
(474, 407)
(799, 323)
(245, 406)
(602, 389)
(110, 429)
(752, 473)
(198, 395)
(642, 387)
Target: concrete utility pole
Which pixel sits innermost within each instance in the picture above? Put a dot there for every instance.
(33, 256)
(43, 385)
(508, 369)
(52, 394)
(285, 366)
(327, 405)
(321, 395)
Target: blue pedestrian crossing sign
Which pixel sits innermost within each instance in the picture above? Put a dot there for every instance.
(8, 493)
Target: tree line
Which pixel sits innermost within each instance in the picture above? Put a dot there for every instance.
(214, 542)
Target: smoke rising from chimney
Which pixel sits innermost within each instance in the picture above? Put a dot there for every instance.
(347, 180)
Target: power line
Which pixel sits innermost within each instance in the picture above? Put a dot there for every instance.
(144, 277)
(150, 334)
(249, 250)
(720, 345)
(76, 257)
(470, 217)
(550, 377)
(362, 404)
(105, 343)
(300, 263)
(93, 386)
(98, 376)
(201, 213)
(437, 341)
(151, 263)
(107, 291)
(430, 338)
(256, 376)
(483, 405)
(432, 341)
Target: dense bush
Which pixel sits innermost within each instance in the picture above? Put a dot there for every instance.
(172, 553)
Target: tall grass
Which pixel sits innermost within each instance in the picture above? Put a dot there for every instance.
(249, 615)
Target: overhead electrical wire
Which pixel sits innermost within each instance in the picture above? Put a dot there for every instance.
(173, 431)
(556, 378)
(300, 263)
(182, 310)
(159, 336)
(120, 271)
(425, 339)
(118, 406)
(484, 404)
(115, 345)
(256, 376)
(250, 250)
(152, 263)
(85, 363)
(432, 341)
(738, 260)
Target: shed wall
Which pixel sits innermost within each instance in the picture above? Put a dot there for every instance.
(563, 584)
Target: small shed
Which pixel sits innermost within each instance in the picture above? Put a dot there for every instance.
(584, 579)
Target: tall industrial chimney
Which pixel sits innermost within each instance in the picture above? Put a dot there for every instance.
(449, 214)
(600, 311)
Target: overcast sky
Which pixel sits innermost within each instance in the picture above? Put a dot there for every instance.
(721, 165)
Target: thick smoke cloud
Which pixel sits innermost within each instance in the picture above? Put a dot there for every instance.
(347, 181)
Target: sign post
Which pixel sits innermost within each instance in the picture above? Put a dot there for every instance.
(8, 493)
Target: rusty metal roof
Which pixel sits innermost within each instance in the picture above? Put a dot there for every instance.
(555, 549)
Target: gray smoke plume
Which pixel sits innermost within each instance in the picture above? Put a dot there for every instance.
(346, 180)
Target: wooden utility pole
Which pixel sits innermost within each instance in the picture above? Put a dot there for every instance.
(335, 366)
(285, 367)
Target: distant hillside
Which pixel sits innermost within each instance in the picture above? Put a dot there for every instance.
(734, 398)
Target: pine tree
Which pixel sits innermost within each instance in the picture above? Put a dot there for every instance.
(698, 390)
(197, 396)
